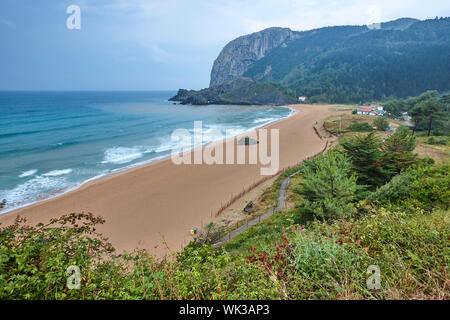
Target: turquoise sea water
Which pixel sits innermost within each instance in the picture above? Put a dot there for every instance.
(53, 142)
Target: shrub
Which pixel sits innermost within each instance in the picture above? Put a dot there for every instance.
(431, 140)
(442, 131)
(381, 124)
(411, 250)
(330, 260)
(34, 260)
(432, 188)
(397, 189)
(360, 127)
(423, 186)
(438, 141)
(324, 268)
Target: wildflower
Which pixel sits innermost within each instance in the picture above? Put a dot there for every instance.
(293, 228)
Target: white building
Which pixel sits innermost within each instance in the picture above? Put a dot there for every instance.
(371, 110)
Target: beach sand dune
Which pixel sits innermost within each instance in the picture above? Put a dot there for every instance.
(161, 202)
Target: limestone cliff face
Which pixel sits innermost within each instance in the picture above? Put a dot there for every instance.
(238, 55)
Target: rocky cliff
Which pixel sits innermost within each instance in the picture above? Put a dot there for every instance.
(238, 55)
(240, 91)
(341, 64)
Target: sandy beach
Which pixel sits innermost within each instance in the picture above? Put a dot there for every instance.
(160, 202)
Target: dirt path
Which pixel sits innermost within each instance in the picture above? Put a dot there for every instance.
(280, 206)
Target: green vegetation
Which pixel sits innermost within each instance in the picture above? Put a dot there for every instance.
(422, 185)
(369, 160)
(34, 260)
(395, 107)
(381, 124)
(237, 91)
(348, 122)
(430, 112)
(438, 141)
(329, 186)
(427, 112)
(365, 203)
(352, 64)
(360, 127)
(398, 149)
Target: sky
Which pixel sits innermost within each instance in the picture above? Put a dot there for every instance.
(158, 44)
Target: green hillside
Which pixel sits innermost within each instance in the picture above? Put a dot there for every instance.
(357, 64)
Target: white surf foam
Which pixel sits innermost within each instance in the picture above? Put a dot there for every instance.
(263, 120)
(30, 189)
(56, 173)
(121, 155)
(165, 145)
(41, 188)
(28, 173)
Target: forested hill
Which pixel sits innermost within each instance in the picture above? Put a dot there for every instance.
(354, 63)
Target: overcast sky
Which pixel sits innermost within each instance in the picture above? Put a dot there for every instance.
(158, 44)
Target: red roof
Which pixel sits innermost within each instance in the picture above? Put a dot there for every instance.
(366, 109)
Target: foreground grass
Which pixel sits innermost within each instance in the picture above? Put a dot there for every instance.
(286, 257)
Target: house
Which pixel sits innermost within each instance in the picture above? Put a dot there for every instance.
(366, 110)
(302, 99)
(371, 110)
(379, 109)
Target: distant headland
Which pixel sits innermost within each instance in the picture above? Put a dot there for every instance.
(341, 64)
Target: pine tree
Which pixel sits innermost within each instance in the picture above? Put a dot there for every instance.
(368, 160)
(427, 112)
(329, 186)
(399, 149)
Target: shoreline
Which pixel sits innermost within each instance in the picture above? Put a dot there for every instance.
(76, 186)
(155, 205)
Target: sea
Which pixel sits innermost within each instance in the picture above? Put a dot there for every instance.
(54, 142)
